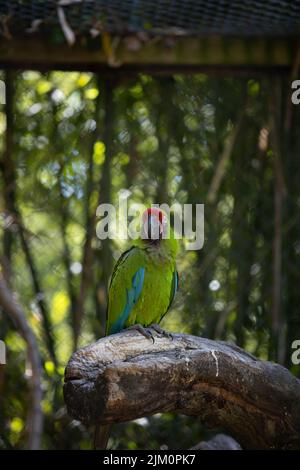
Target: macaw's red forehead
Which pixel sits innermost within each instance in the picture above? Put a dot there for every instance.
(154, 211)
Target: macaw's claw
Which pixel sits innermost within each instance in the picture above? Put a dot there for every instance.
(160, 331)
(141, 329)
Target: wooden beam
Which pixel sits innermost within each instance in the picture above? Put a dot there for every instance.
(156, 55)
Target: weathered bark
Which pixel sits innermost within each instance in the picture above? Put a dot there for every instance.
(125, 376)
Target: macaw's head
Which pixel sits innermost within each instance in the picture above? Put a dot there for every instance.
(155, 226)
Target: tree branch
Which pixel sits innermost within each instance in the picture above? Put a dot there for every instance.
(15, 312)
(39, 294)
(124, 377)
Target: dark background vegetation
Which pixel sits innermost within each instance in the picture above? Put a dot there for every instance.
(72, 140)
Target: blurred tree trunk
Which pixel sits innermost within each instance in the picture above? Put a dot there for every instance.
(15, 312)
(225, 156)
(291, 234)
(90, 217)
(39, 294)
(243, 236)
(104, 258)
(276, 127)
(8, 177)
(63, 209)
(164, 119)
(131, 170)
(226, 147)
(8, 173)
(64, 218)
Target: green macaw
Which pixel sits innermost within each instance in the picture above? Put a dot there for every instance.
(142, 287)
(145, 280)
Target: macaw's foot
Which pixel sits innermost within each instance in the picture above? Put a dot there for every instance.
(160, 331)
(141, 329)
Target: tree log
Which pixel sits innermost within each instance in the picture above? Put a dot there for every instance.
(125, 376)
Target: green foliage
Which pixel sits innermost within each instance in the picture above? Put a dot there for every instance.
(168, 136)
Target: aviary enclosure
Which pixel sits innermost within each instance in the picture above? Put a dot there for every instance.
(185, 102)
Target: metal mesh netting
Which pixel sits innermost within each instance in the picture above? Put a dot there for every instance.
(191, 17)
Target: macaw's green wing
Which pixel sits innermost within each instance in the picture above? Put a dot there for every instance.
(118, 264)
(174, 289)
(132, 296)
(125, 289)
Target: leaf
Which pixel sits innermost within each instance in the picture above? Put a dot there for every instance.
(99, 153)
(91, 93)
